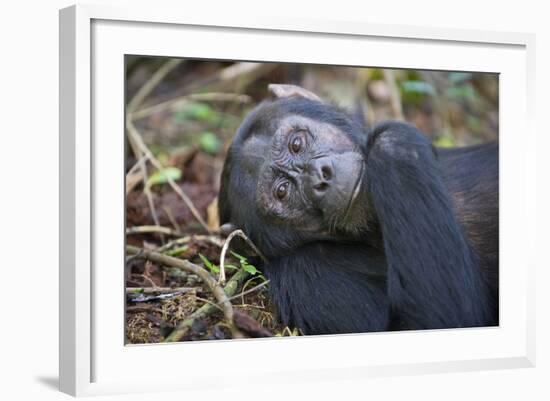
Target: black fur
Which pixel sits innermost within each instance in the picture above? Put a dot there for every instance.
(434, 278)
(327, 287)
(430, 255)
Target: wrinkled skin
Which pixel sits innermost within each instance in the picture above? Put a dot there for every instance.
(364, 230)
(310, 177)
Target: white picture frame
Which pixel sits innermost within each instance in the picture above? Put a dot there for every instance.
(93, 40)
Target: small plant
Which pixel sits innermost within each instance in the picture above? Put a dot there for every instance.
(247, 267)
(215, 269)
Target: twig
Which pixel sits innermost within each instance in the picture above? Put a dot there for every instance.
(132, 179)
(134, 134)
(150, 201)
(133, 176)
(148, 87)
(151, 229)
(171, 217)
(225, 79)
(143, 168)
(207, 301)
(241, 234)
(161, 290)
(143, 308)
(135, 167)
(188, 238)
(146, 278)
(214, 287)
(257, 287)
(230, 289)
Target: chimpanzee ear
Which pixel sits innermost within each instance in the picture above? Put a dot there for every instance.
(283, 90)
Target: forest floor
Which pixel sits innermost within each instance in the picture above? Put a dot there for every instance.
(161, 296)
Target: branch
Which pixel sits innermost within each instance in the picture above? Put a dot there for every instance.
(161, 290)
(151, 229)
(211, 239)
(257, 287)
(214, 287)
(230, 289)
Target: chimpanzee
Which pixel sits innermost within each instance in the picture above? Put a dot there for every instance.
(363, 229)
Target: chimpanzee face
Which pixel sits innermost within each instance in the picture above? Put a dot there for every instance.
(309, 176)
(295, 173)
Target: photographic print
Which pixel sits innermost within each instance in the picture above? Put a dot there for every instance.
(269, 199)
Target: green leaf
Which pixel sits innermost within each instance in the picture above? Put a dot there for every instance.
(459, 77)
(240, 257)
(210, 143)
(445, 142)
(418, 87)
(195, 111)
(162, 176)
(461, 92)
(211, 266)
(249, 268)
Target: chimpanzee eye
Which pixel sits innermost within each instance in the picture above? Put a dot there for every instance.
(296, 144)
(281, 191)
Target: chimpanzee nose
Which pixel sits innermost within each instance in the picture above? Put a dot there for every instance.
(321, 175)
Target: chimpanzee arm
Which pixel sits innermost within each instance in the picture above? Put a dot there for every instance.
(434, 279)
(328, 288)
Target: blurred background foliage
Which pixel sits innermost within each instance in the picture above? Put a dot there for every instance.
(452, 108)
